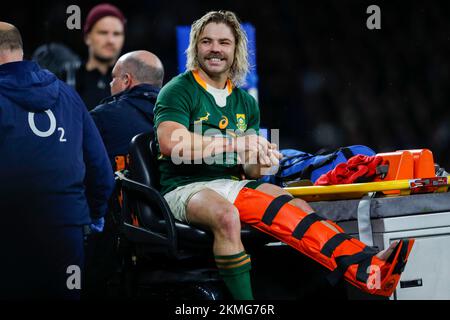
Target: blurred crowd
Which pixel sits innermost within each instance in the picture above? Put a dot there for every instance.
(325, 80)
(345, 84)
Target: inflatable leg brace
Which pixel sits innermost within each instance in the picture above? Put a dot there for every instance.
(345, 256)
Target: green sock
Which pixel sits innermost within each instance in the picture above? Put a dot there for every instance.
(235, 271)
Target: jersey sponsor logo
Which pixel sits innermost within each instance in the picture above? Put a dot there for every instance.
(201, 119)
(223, 123)
(51, 129)
(240, 122)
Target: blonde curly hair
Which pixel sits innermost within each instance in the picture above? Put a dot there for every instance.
(240, 66)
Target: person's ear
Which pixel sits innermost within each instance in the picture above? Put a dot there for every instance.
(127, 80)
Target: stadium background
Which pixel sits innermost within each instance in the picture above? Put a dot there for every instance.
(325, 80)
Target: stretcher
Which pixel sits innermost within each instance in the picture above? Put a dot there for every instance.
(358, 190)
(379, 213)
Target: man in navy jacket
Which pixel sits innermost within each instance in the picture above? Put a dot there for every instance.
(136, 80)
(55, 178)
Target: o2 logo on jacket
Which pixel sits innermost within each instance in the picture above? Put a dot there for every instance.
(50, 131)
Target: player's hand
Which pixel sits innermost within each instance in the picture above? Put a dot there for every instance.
(269, 156)
(251, 143)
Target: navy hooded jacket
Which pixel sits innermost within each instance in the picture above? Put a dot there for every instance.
(122, 116)
(54, 168)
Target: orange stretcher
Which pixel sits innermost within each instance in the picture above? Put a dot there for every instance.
(407, 164)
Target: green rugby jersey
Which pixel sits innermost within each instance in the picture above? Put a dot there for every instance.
(185, 100)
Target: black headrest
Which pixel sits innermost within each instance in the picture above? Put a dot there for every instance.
(59, 59)
(143, 165)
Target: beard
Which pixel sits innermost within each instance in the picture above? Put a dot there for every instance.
(104, 60)
(202, 63)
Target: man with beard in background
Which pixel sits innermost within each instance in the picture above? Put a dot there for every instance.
(104, 35)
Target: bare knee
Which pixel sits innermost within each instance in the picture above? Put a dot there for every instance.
(226, 222)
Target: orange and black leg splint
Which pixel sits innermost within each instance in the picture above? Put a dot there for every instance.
(345, 256)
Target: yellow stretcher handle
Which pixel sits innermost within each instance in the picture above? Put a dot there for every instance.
(435, 184)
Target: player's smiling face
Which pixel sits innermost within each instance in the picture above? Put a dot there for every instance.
(215, 49)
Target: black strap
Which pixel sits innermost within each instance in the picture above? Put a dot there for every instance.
(343, 262)
(362, 274)
(304, 225)
(274, 207)
(254, 184)
(347, 152)
(401, 260)
(363, 267)
(333, 243)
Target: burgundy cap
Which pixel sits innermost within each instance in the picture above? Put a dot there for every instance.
(101, 11)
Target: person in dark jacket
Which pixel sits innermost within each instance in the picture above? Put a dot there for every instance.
(136, 80)
(55, 178)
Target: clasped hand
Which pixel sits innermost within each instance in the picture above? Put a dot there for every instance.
(256, 149)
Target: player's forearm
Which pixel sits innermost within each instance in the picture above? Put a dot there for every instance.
(192, 146)
(256, 171)
(250, 164)
(252, 171)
